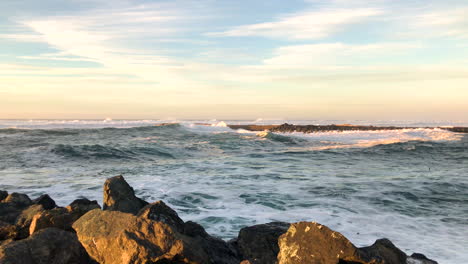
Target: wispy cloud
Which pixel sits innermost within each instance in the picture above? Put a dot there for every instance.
(304, 25)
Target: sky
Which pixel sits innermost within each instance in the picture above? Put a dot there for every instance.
(310, 59)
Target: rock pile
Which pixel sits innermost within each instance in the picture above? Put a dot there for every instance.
(129, 230)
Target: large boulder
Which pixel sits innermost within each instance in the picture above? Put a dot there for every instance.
(259, 243)
(159, 211)
(46, 202)
(9, 212)
(46, 246)
(119, 196)
(115, 237)
(313, 243)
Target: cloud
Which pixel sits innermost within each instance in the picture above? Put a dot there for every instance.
(326, 55)
(441, 23)
(304, 25)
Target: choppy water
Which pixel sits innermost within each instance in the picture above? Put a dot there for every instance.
(410, 186)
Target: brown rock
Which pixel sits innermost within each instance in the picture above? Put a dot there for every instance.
(18, 199)
(115, 237)
(81, 206)
(313, 243)
(46, 246)
(259, 243)
(58, 217)
(25, 218)
(9, 212)
(160, 212)
(119, 196)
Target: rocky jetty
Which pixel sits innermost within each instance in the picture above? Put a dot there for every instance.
(131, 230)
(288, 128)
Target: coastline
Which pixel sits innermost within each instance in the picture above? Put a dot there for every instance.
(131, 230)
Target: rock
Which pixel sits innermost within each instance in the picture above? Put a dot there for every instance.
(81, 206)
(3, 195)
(259, 243)
(18, 199)
(383, 251)
(59, 218)
(160, 212)
(116, 237)
(7, 231)
(418, 258)
(45, 200)
(312, 243)
(193, 229)
(119, 196)
(25, 218)
(218, 250)
(46, 246)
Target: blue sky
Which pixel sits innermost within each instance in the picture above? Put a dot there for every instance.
(339, 59)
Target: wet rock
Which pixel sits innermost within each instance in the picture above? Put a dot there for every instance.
(46, 246)
(45, 200)
(3, 195)
(58, 217)
(81, 206)
(7, 231)
(383, 251)
(160, 212)
(312, 243)
(25, 218)
(119, 196)
(116, 237)
(18, 200)
(418, 258)
(259, 243)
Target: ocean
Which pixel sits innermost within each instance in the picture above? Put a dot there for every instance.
(410, 185)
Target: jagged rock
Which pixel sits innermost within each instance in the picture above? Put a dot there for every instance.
(160, 212)
(313, 243)
(418, 258)
(45, 200)
(119, 196)
(7, 231)
(259, 244)
(115, 237)
(18, 200)
(25, 218)
(58, 217)
(193, 229)
(50, 245)
(81, 206)
(383, 251)
(3, 195)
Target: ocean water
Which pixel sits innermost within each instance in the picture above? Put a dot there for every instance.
(410, 186)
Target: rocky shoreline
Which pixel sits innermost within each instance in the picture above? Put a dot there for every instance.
(288, 128)
(131, 230)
